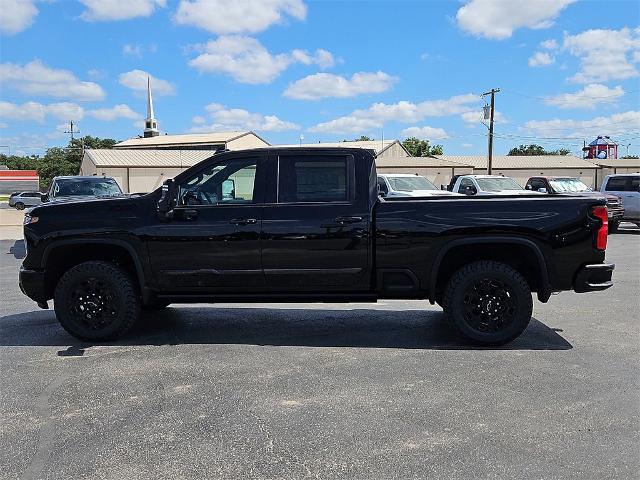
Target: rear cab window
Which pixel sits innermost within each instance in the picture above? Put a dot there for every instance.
(315, 179)
(619, 184)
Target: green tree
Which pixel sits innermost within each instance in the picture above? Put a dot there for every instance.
(533, 150)
(16, 162)
(421, 148)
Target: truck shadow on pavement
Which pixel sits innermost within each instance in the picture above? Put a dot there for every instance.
(18, 250)
(361, 328)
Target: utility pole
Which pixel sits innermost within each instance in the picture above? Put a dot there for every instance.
(493, 96)
(71, 131)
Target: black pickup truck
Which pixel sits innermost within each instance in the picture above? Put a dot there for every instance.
(301, 225)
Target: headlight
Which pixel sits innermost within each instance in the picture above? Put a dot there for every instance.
(28, 220)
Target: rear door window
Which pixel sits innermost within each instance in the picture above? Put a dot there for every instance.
(618, 184)
(313, 179)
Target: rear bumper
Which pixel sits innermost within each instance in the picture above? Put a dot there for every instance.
(592, 278)
(32, 284)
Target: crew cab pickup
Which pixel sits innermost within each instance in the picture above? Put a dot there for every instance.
(307, 224)
(487, 185)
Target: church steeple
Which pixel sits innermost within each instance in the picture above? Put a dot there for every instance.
(150, 123)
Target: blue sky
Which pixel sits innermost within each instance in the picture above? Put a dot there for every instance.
(568, 70)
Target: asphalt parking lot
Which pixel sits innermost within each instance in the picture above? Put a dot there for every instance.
(367, 391)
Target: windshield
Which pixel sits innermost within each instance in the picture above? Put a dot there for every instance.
(409, 184)
(90, 187)
(568, 185)
(497, 184)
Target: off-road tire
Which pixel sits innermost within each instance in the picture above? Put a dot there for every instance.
(19, 206)
(613, 226)
(511, 303)
(94, 290)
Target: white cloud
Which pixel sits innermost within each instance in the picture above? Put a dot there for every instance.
(467, 145)
(132, 50)
(323, 85)
(226, 119)
(615, 124)
(604, 54)
(113, 113)
(541, 59)
(246, 16)
(35, 78)
(34, 111)
(65, 111)
(348, 124)
(425, 133)
(136, 80)
(405, 112)
(248, 61)
(99, 10)
(549, 44)
(587, 98)
(497, 19)
(17, 15)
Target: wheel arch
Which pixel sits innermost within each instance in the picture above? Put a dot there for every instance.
(531, 262)
(61, 255)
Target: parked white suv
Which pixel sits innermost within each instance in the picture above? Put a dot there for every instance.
(489, 185)
(626, 186)
(408, 185)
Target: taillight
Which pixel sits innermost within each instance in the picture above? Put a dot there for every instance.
(603, 231)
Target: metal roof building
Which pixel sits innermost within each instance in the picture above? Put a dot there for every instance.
(140, 170)
(383, 148)
(197, 141)
(438, 170)
(521, 167)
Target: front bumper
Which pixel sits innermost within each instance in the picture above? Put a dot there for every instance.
(592, 278)
(615, 214)
(32, 284)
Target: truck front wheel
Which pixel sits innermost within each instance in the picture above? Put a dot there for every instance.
(96, 301)
(489, 302)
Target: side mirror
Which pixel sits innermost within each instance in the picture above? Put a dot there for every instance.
(44, 197)
(542, 190)
(167, 200)
(527, 186)
(470, 190)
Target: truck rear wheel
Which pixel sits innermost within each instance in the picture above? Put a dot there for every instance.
(488, 302)
(96, 301)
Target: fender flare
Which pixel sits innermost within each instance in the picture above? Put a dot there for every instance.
(98, 241)
(543, 294)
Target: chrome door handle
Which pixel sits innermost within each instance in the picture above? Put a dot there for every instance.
(243, 221)
(345, 220)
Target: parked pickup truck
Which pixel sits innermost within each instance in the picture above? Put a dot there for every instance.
(408, 185)
(553, 185)
(486, 185)
(302, 225)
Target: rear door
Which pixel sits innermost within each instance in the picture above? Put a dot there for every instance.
(315, 227)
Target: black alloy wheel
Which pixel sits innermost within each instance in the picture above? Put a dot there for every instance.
(96, 301)
(488, 302)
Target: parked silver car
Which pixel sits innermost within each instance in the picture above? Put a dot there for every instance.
(20, 200)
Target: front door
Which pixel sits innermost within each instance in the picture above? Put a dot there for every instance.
(213, 240)
(315, 226)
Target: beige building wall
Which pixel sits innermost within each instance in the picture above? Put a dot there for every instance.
(438, 175)
(587, 176)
